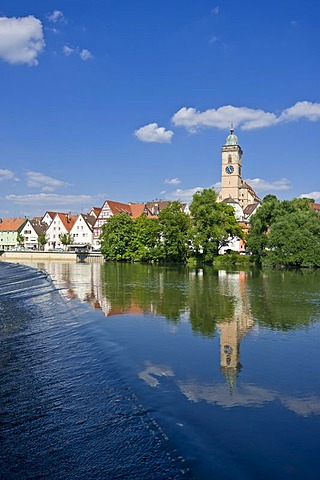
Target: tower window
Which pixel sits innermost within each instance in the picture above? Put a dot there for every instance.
(229, 159)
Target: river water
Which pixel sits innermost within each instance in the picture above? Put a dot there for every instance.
(144, 372)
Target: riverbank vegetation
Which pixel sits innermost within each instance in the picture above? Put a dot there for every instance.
(282, 234)
(173, 237)
(285, 233)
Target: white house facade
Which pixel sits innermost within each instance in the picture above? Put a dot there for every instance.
(61, 224)
(82, 231)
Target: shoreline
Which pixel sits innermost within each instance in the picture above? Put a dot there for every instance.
(57, 256)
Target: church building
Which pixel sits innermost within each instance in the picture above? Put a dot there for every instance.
(235, 190)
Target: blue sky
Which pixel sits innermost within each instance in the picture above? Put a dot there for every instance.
(132, 100)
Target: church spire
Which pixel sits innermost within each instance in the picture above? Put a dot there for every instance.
(232, 139)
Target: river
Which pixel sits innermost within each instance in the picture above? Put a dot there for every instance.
(144, 372)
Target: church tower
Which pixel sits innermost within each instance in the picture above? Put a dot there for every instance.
(233, 188)
(231, 168)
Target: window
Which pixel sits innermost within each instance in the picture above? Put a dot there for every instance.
(229, 159)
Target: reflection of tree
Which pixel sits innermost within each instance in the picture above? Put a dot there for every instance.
(207, 305)
(152, 289)
(284, 300)
(167, 291)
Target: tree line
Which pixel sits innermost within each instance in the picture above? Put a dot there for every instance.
(285, 233)
(174, 236)
(282, 233)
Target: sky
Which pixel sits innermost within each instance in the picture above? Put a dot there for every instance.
(132, 101)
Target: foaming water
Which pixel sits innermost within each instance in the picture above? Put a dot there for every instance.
(66, 411)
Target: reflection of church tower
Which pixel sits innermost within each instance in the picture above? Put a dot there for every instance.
(230, 351)
(232, 332)
(233, 187)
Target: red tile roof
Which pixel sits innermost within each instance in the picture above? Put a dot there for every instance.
(67, 220)
(315, 206)
(137, 209)
(118, 207)
(95, 211)
(12, 224)
(53, 214)
(132, 209)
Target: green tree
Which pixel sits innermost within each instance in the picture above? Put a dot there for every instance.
(294, 240)
(145, 239)
(285, 233)
(20, 239)
(66, 239)
(214, 224)
(264, 216)
(175, 228)
(116, 237)
(42, 240)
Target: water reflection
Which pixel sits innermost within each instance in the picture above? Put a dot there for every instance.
(230, 305)
(247, 395)
(234, 329)
(151, 372)
(226, 361)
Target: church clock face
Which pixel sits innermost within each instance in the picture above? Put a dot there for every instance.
(229, 169)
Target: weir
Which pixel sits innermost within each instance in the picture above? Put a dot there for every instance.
(83, 257)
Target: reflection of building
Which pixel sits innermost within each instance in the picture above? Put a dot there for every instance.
(232, 331)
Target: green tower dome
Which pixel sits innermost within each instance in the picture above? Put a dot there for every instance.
(232, 139)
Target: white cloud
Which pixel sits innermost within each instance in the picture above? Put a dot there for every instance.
(172, 181)
(222, 117)
(243, 117)
(68, 50)
(314, 195)
(46, 183)
(215, 10)
(153, 133)
(264, 185)
(213, 39)
(185, 195)
(21, 40)
(6, 175)
(85, 55)
(308, 110)
(57, 17)
(53, 29)
(44, 201)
